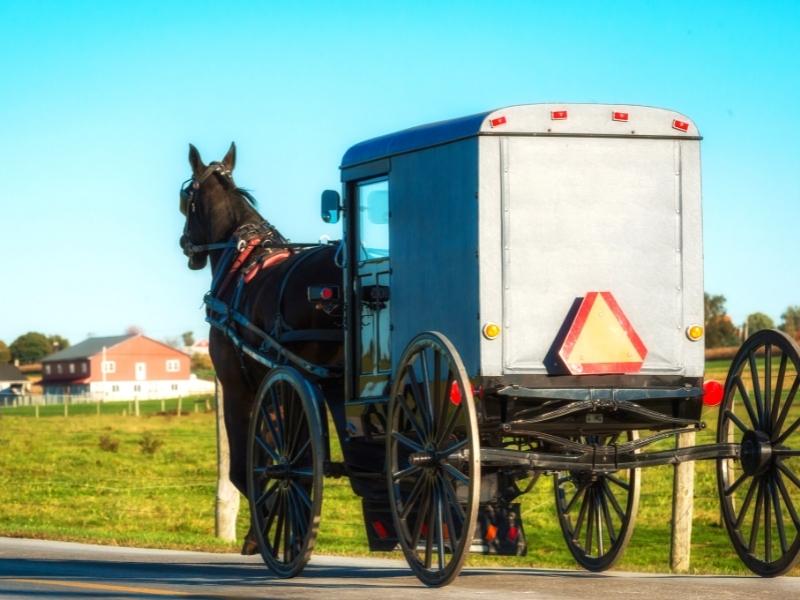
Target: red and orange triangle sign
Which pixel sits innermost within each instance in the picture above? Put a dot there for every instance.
(601, 340)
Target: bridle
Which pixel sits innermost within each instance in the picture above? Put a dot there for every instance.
(188, 205)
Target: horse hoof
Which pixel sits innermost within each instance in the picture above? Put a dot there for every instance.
(250, 546)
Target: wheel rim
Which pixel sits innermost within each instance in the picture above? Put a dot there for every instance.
(285, 472)
(597, 511)
(433, 459)
(760, 491)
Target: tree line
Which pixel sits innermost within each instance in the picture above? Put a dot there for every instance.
(31, 347)
(721, 331)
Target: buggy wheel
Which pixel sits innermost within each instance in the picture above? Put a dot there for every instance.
(760, 490)
(284, 470)
(597, 511)
(433, 462)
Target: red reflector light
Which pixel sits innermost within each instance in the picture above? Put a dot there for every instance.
(455, 394)
(380, 529)
(712, 393)
(326, 293)
(680, 125)
(620, 116)
(558, 115)
(497, 121)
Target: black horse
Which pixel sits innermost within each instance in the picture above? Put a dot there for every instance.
(254, 268)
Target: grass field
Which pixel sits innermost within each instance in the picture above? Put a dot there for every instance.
(150, 481)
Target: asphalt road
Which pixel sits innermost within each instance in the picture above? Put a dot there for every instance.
(39, 569)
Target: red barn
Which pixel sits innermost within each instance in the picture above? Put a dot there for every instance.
(120, 367)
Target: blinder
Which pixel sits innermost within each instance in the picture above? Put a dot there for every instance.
(186, 204)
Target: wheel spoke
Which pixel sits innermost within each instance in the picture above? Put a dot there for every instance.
(265, 415)
(789, 431)
(411, 418)
(748, 404)
(427, 400)
(407, 442)
(405, 473)
(571, 503)
(787, 500)
(299, 453)
(776, 504)
(279, 528)
(614, 501)
(732, 488)
(455, 473)
(756, 518)
(301, 494)
(453, 497)
(787, 404)
(581, 515)
(413, 496)
(751, 358)
(422, 515)
(598, 521)
(451, 525)
(589, 521)
(612, 535)
(736, 420)
(267, 448)
(767, 522)
(277, 404)
(767, 386)
(792, 477)
(431, 526)
(451, 423)
(746, 504)
(267, 493)
(439, 526)
(418, 393)
(776, 400)
(625, 486)
(455, 447)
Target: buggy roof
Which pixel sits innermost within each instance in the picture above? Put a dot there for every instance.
(531, 119)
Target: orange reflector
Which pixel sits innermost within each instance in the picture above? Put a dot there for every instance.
(601, 340)
(497, 121)
(558, 115)
(712, 392)
(455, 394)
(619, 116)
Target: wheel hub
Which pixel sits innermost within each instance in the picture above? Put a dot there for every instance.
(423, 459)
(756, 452)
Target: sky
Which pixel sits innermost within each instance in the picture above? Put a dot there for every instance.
(99, 100)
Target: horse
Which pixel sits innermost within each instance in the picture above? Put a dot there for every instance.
(222, 218)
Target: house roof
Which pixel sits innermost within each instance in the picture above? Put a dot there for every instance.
(9, 372)
(88, 347)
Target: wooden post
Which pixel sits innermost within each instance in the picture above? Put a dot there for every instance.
(163, 406)
(682, 505)
(66, 406)
(180, 404)
(97, 407)
(136, 406)
(36, 409)
(227, 504)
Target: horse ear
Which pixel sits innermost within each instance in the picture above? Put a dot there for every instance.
(195, 161)
(230, 158)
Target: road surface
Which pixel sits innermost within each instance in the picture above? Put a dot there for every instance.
(41, 569)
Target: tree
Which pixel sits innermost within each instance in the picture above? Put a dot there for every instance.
(30, 347)
(188, 338)
(133, 330)
(57, 342)
(720, 330)
(791, 322)
(5, 353)
(758, 321)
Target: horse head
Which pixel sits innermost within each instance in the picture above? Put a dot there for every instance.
(212, 211)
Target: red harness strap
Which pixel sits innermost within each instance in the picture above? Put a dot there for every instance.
(269, 261)
(237, 264)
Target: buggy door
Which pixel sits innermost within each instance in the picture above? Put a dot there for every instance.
(372, 273)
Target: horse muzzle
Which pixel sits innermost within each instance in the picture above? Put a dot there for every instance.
(197, 260)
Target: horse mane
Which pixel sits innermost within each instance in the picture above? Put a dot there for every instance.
(247, 196)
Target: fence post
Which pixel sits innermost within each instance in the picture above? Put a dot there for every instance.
(66, 406)
(98, 408)
(36, 409)
(682, 508)
(180, 404)
(136, 405)
(227, 504)
(163, 406)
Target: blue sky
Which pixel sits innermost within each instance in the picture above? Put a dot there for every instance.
(99, 100)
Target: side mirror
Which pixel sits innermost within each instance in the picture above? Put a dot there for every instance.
(331, 206)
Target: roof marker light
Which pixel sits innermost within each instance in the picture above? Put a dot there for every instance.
(680, 125)
(619, 116)
(558, 115)
(497, 121)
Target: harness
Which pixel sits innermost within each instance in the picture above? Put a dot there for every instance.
(252, 249)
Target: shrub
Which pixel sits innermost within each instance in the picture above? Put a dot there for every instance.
(108, 443)
(149, 444)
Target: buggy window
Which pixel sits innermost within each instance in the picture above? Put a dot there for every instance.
(373, 217)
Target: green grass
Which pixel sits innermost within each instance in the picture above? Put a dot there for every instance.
(60, 478)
